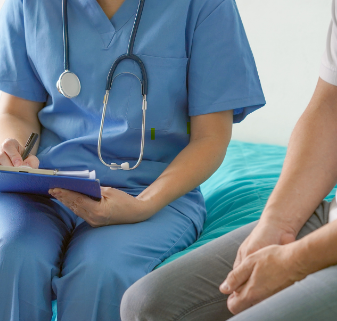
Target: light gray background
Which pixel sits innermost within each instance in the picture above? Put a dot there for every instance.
(288, 39)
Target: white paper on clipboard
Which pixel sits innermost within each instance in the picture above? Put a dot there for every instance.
(26, 169)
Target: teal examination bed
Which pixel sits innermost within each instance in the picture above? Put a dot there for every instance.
(237, 192)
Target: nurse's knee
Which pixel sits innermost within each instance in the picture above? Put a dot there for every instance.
(8, 199)
(13, 208)
(144, 301)
(18, 246)
(18, 251)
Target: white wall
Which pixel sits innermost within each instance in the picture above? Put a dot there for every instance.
(288, 39)
(1, 3)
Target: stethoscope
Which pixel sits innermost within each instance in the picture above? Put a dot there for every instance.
(69, 84)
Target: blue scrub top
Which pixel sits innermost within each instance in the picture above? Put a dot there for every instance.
(198, 61)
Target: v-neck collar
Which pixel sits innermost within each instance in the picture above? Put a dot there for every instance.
(126, 11)
(105, 27)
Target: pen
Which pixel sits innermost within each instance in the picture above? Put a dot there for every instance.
(29, 145)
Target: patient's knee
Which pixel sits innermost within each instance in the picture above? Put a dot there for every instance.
(140, 303)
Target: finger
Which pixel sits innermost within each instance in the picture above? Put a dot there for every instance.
(71, 199)
(105, 191)
(237, 303)
(237, 277)
(32, 161)
(11, 148)
(239, 289)
(240, 301)
(80, 204)
(4, 160)
(237, 260)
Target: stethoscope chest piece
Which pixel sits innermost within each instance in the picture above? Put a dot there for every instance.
(68, 84)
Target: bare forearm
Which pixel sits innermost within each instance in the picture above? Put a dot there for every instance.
(197, 162)
(317, 250)
(18, 119)
(310, 170)
(17, 128)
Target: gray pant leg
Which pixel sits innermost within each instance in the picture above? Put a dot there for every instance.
(188, 288)
(312, 299)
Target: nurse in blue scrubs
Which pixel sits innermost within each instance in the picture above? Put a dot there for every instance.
(201, 78)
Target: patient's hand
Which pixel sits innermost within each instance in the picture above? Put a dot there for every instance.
(10, 155)
(115, 207)
(264, 234)
(262, 274)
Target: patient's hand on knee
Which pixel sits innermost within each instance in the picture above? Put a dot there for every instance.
(262, 274)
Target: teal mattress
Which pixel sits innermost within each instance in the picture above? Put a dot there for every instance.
(237, 192)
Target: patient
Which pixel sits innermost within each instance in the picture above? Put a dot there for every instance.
(283, 267)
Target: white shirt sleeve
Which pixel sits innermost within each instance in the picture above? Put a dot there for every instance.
(328, 70)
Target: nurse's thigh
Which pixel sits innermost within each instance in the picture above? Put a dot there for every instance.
(188, 288)
(32, 232)
(101, 263)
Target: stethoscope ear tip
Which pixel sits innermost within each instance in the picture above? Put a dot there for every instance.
(124, 166)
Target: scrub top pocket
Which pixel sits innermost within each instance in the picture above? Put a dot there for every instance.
(163, 101)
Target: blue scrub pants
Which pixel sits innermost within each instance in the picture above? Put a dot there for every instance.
(46, 251)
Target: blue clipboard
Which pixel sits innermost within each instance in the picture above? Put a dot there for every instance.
(28, 183)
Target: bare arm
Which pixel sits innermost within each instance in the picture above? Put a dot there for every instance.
(210, 136)
(310, 168)
(18, 119)
(270, 259)
(308, 175)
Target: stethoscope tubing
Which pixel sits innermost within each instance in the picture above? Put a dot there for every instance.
(110, 79)
(142, 143)
(135, 27)
(144, 81)
(65, 35)
(129, 55)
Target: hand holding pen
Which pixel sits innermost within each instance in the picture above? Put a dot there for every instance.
(14, 155)
(29, 145)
